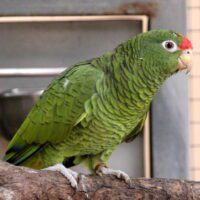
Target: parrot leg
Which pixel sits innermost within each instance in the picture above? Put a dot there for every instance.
(102, 169)
(71, 175)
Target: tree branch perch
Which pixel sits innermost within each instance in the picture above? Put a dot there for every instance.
(20, 183)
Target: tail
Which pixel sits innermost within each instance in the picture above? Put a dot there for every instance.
(19, 153)
(29, 155)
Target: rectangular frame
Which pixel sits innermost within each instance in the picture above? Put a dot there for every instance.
(21, 72)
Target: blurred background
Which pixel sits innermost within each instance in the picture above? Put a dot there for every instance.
(39, 39)
(193, 30)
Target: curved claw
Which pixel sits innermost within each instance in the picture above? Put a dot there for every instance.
(118, 173)
(71, 175)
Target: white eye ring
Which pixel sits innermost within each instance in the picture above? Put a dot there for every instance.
(170, 46)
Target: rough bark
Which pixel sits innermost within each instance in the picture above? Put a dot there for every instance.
(20, 183)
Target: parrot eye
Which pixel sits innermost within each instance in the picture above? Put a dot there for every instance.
(170, 45)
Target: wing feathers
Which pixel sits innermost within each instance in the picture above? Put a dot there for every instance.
(61, 107)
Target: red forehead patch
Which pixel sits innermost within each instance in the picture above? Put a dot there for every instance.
(185, 44)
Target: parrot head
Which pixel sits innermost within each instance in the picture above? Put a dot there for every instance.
(169, 51)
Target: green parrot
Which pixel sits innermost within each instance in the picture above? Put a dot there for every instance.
(94, 106)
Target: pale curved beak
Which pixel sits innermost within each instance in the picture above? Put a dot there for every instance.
(185, 60)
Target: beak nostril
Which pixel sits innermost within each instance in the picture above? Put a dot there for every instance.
(185, 60)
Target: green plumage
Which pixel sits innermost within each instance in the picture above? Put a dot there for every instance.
(95, 105)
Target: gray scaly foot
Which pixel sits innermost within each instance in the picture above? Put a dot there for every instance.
(71, 175)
